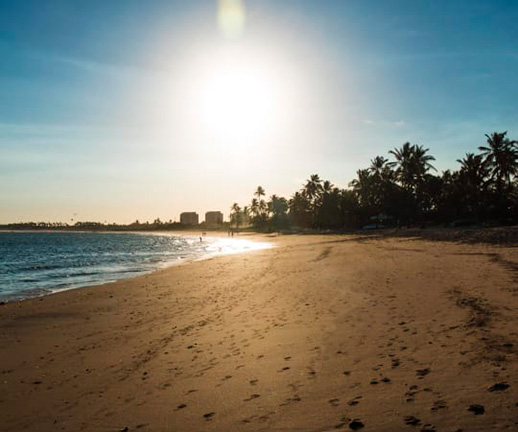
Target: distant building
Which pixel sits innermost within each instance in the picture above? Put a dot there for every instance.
(189, 218)
(214, 218)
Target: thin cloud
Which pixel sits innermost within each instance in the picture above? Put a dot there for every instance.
(399, 123)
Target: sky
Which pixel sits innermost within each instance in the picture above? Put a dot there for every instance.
(123, 110)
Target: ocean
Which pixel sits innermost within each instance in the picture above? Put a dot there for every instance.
(33, 264)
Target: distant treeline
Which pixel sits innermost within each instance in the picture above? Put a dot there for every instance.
(156, 225)
(401, 191)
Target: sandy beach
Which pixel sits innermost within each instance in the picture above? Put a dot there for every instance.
(319, 333)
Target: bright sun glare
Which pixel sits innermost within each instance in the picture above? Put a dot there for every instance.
(237, 101)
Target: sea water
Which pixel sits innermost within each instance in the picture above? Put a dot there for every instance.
(38, 263)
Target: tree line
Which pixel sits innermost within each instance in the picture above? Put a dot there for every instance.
(402, 190)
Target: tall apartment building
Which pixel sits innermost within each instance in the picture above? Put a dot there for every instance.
(189, 218)
(214, 218)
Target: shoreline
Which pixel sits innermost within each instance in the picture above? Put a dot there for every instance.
(312, 335)
(163, 265)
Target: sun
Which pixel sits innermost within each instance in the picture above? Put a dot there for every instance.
(237, 101)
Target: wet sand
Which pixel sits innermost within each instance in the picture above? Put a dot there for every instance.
(320, 333)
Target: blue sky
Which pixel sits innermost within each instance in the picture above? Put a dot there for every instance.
(94, 96)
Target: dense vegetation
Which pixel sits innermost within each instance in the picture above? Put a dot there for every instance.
(403, 190)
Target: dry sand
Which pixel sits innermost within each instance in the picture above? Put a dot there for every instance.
(320, 333)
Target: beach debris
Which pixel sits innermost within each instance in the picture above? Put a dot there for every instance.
(356, 424)
(499, 387)
(411, 420)
(477, 409)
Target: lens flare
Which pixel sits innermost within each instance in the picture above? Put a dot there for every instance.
(231, 18)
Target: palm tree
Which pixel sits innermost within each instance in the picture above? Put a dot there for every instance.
(313, 187)
(254, 207)
(235, 215)
(412, 165)
(473, 179)
(246, 215)
(278, 207)
(259, 192)
(421, 161)
(404, 171)
(501, 157)
(474, 170)
(299, 208)
(327, 187)
(378, 165)
(329, 214)
(363, 187)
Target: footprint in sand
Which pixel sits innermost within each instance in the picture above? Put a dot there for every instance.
(439, 405)
(209, 416)
(499, 387)
(421, 373)
(411, 420)
(252, 397)
(356, 424)
(477, 409)
(355, 401)
(253, 382)
(334, 402)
